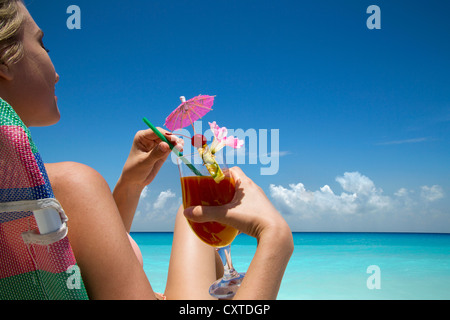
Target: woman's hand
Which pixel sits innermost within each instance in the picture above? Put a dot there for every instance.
(148, 153)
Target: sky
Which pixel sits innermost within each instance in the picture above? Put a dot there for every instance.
(347, 128)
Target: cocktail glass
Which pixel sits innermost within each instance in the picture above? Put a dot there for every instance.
(204, 191)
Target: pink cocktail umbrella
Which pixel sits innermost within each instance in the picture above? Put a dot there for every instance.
(189, 111)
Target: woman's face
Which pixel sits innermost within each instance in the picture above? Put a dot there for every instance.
(29, 85)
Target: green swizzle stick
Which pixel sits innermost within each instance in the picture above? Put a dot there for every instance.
(172, 147)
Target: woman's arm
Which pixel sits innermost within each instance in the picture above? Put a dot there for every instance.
(148, 153)
(263, 278)
(252, 213)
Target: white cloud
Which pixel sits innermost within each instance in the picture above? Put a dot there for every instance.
(360, 207)
(360, 196)
(432, 193)
(414, 140)
(156, 213)
(163, 198)
(355, 183)
(276, 154)
(144, 193)
(402, 192)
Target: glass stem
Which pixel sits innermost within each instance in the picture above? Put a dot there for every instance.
(228, 270)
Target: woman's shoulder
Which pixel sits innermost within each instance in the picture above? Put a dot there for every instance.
(72, 174)
(69, 169)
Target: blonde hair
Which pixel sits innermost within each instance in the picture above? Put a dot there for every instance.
(11, 21)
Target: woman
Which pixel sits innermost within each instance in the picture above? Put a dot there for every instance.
(100, 221)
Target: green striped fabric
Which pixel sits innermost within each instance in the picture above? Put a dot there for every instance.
(29, 269)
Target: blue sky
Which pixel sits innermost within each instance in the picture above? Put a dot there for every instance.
(363, 115)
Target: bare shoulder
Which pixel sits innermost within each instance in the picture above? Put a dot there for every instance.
(71, 171)
(73, 175)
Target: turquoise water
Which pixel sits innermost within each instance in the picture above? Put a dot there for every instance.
(334, 265)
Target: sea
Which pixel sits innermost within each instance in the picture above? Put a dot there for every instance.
(337, 266)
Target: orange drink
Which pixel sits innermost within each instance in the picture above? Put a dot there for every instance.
(204, 191)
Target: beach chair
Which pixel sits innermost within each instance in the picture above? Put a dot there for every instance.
(36, 259)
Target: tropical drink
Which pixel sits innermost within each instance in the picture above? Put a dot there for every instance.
(204, 191)
(211, 184)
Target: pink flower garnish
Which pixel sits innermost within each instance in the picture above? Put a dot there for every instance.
(221, 140)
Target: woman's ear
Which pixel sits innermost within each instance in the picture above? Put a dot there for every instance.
(5, 72)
